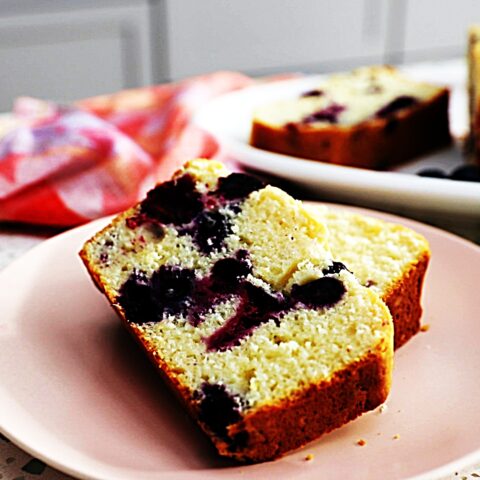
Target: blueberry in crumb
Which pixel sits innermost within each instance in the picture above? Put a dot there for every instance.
(322, 292)
(212, 227)
(172, 289)
(237, 186)
(177, 201)
(218, 408)
(136, 299)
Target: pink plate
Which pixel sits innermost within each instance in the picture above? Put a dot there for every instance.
(76, 391)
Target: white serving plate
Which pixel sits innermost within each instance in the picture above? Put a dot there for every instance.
(228, 118)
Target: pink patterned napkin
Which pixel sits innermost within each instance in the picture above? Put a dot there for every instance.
(65, 165)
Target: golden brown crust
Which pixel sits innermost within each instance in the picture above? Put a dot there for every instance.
(272, 431)
(404, 301)
(376, 144)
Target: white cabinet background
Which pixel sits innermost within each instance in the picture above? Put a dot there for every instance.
(70, 49)
(261, 36)
(437, 28)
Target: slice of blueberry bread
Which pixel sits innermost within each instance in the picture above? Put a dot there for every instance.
(372, 117)
(388, 258)
(231, 289)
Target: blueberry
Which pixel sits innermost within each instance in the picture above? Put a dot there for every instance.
(261, 302)
(373, 89)
(395, 105)
(257, 306)
(237, 186)
(211, 229)
(227, 273)
(323, 292)
(176, 201)
(432, 173)
(312, 93)
(218, 408)
(136, 299)
(467, 173)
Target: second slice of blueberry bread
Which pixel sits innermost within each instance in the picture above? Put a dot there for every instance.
(389, 258)
(230, 288)
(373, 117)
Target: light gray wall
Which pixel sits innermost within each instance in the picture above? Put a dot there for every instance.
(69, 49)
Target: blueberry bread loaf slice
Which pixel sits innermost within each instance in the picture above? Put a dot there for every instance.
(372, 117)
(230, 288)
(388, 258)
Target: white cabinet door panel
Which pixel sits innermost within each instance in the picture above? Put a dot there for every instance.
(271, 35)
(438, 28)
(71, 54)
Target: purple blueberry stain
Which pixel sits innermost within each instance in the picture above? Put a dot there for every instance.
(466, 173)
(399, 103)
(256, 307)
(328, 114)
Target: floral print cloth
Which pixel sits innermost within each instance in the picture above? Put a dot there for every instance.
(66, 165)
